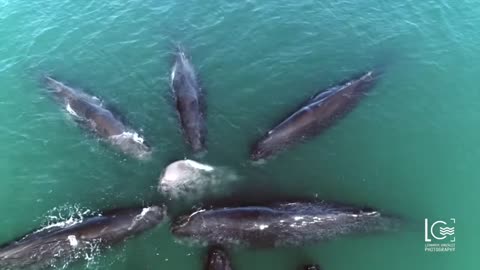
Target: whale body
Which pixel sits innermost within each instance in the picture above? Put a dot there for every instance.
(314, 116)
(282, 224)
(188, 100)
(50, 245)
(90, 112)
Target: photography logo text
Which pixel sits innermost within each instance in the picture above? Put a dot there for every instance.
(440, 235)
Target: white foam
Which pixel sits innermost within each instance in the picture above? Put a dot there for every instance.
(73, 240)
(61, 224)
(298, 218)
(129, 135)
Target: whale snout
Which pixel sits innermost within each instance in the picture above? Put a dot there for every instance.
(156, 213)
(259, 152)
(133, 144)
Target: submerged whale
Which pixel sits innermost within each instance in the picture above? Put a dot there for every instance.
(282, 224)
(184, 177)
(190, 180)
(315, 115)
(90, 112)
(189, 101)
(48, 246)
(312, 267)
(218, 260)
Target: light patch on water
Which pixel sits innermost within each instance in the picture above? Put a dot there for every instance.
(296, 218)
(259, 162)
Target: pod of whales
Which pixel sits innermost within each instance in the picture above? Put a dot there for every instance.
(274, 225)
(90, 112)
(218, 259)
(188, 100)
(315, 115)
(48, 245)
(282, 224)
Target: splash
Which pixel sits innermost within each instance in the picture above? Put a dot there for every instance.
(132, 143)
(134, 136)
(67, 216)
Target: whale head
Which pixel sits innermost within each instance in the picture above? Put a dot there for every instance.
(133, 144)
(218, 259)
(260, 151)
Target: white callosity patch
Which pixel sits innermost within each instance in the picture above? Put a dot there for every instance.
(262, 227)
(71, 111)
(139, 217)
(73, 240)
(132, 143)
(190, 179)
(174, 71)
(301, 221)
(144, 211)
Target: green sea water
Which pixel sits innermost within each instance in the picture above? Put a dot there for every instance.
(409, 148)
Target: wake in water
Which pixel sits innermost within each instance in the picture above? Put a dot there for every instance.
(188, 179)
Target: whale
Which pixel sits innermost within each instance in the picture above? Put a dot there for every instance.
(91, 113)
(315, 115)
(183, 178)
(279, 224)
(58, 243)
(189, 101)
(218, 259)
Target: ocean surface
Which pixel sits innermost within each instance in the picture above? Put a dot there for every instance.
(409, 148)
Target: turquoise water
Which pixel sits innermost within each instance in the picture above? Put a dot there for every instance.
(409, 148)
